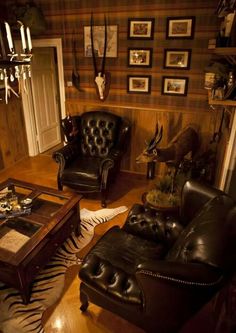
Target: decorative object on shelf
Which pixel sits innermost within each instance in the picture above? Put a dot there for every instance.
(174, 85)
(177, 58)
(180, 27)
(14, 66)
(140, 57)
(225, 7)
(102, 79)
(141, 28)
(219, 78)
(139, 84)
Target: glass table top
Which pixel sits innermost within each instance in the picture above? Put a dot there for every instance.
(16, 232)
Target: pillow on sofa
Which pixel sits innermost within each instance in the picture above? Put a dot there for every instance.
(205, 238)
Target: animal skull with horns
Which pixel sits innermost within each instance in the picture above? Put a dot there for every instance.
(102, 78)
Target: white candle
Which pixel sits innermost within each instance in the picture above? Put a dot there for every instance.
(29, 39)
(22, 33)
(9, 37)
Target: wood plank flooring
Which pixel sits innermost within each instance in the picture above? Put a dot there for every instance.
(65, 316)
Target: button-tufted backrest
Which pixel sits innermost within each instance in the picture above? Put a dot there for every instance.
(151, 224)
(99, 131)
(206, 237)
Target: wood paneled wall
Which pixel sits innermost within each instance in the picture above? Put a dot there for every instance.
(13, 144)
(66, 19)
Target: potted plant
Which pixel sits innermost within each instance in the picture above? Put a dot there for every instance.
(163, 196)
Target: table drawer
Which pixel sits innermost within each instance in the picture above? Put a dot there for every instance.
(38, 259)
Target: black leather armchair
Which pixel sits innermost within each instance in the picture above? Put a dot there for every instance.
(157, 271)
(91, 161)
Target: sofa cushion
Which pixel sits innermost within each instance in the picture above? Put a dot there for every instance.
(205, 239)
(84, 170)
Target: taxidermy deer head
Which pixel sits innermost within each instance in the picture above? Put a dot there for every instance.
(184, 142)
(102, 78)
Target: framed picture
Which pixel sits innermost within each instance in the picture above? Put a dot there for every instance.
(180, 27)
(139, 84)
(177, 58)
(98, 41)
(140, 57)
(141, 28)
(174, 85)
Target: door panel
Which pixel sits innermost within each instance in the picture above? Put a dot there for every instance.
(45, 95)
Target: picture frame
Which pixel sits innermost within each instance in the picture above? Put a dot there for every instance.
(140, 57)
(180, 27)
(141, 28)
(140, 84)
(174, 85)
(177, 58)
(99, 34)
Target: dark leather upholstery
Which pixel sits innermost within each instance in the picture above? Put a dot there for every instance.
(157, 271)
(90, 162)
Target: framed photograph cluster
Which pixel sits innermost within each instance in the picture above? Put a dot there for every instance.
(139, 84)
(180, 27)
(141, 28)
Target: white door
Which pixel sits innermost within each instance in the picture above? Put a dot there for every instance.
(46, 98)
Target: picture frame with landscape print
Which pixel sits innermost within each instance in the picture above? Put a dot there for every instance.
(177, 58)
(99, 39)
(139, 84)
(140, 57)
(180, 27)
(141, 28)
(174, 85)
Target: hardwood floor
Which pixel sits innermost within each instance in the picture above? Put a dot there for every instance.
(65, 316)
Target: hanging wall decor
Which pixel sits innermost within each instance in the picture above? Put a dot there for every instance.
(141, 28)
(180, 27)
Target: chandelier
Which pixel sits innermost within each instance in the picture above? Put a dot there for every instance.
(14, 67)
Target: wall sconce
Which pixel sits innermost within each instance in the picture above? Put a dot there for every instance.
(14, 66)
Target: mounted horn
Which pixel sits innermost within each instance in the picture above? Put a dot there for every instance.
(102, 78)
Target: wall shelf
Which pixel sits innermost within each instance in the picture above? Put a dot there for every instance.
(224, 102)
(229, 53)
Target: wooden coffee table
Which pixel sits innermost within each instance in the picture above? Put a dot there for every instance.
(27, 242)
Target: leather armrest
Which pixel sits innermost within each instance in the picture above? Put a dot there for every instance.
(189, 274)
(107, 164)
(66, 154)
(176, 290)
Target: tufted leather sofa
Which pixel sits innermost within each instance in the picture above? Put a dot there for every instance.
(157, 271)
(91, 162)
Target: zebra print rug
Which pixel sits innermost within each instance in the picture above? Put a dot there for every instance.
(15, 317)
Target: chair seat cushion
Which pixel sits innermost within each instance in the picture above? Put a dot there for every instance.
(110, 266)
(84, 170)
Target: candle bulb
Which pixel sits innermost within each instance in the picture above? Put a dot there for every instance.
(29, 39)
(22, 34)
(9, 37)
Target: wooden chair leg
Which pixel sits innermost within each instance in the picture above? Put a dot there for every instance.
(103, 198)
(84, 301)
